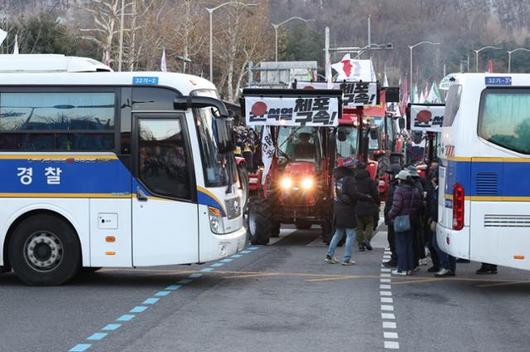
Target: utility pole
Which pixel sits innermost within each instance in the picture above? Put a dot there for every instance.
(122, 18)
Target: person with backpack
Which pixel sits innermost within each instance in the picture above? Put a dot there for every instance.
(366, 210)
(346, 197)
(406, 205)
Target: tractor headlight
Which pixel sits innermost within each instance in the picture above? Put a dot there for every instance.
(216, 220)
(286, 182)
(307, 183)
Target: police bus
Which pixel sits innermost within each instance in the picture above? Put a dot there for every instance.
(120, 169)
(484, 193)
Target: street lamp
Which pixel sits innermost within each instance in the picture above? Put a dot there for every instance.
(276, 26)
(410, 48)
(210, 12)
(478, 52)
(510, 52)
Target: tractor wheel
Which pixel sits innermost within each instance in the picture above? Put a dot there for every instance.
(275, 229)
(260, 223)
(303, 225)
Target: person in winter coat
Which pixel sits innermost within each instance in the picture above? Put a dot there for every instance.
(394, 170)
(406, 201)
(419, 238)
(366, 210)
(346, 197)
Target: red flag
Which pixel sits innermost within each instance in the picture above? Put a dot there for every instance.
(490, 66)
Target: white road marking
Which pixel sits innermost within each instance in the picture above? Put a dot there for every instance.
(392, 345)
(387, 304)
(389, 325)
(389, 316)
(390, 335)
(386, 307)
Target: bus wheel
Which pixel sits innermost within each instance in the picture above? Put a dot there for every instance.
(259, 221)
(44, 251)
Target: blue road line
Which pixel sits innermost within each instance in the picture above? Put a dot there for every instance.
(111, 327)
(80, 347)
(97, 336)
(151, 300)
(138, 309)
(126, 317)
(173, 287)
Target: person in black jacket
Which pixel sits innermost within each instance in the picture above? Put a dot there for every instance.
(366, 210)
(346, 197)
(394, 170)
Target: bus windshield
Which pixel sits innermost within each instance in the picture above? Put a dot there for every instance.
(346, 141)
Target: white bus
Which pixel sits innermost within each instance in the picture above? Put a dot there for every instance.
(120, 169)
(484, 194)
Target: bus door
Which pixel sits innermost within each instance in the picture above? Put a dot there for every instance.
(164, 209)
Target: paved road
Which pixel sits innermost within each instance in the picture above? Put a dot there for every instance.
(276, 298)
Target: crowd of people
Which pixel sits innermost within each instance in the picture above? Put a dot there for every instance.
(410, 213)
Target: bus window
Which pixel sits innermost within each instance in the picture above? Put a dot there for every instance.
(58, 121)
(163, 164)
(452, 104)
(504, 118)
(153, 98)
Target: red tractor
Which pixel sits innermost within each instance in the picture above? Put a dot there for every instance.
(297, 189)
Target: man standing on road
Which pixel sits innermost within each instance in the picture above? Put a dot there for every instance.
(346, 197)
(394, 170)
(366, 210)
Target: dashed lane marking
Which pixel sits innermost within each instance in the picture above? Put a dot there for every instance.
(387, 307)
(150, 301)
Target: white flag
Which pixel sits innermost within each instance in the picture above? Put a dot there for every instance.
(385, 81)
(15, 48)
(267, 152)
(163, 64)
(3, 35)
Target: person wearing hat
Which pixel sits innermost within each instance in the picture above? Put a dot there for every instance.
(346, 197)
(304, 149)
(393, 171)
(406, 204)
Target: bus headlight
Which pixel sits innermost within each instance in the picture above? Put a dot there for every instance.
(308, 183)
(286, 182)
(216, 220)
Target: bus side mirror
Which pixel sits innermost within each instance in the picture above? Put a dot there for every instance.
(401, 123)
